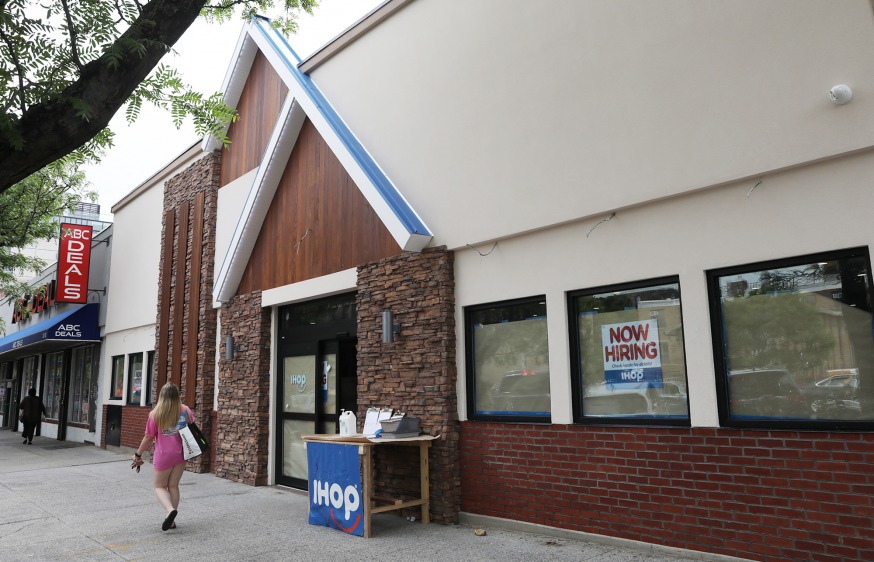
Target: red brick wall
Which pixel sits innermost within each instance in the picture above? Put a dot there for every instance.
(133, 425)
(764, 495)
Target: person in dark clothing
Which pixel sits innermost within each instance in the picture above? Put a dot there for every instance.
(32, 411)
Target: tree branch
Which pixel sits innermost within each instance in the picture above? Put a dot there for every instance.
(54, 128)
(74, 48)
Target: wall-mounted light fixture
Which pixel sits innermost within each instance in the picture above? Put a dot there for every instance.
(230, 347)
(390, 330)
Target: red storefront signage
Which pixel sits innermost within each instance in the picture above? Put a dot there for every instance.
(74, 261)
(42, 298)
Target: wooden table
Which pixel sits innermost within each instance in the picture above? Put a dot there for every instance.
(374, 504)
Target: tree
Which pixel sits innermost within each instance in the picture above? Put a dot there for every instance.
(67, 66)
(28, 212)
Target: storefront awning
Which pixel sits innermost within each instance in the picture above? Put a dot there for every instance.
(73, 327)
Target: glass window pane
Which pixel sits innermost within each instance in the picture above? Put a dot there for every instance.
(28, 369)
(510, 359)
(632, 360)
(135, 385)
(294, 454)
(54, 384)
(797, 341)
(299, 385)
(82, 386)
(329, 382)
(116, 389)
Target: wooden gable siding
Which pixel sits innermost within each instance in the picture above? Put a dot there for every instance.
(318, 222)
(258, 108)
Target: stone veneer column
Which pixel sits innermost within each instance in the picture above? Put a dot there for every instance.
(244, 393)
(415, 374)
(202, 176)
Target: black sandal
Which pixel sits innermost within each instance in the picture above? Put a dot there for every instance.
(168, 523)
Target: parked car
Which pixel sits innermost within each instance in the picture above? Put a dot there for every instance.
(766, 393)
(522, 390)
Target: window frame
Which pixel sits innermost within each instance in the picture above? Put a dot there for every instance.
(470, 373)
(575, 366)
(150, 372)
(714, 297)
(83, 359)
(113, 377)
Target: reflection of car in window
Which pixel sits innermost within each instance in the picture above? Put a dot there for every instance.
(765, 393)
(835, 395)
(522, 390)
(635, 399)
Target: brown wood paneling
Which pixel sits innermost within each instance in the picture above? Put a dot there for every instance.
(164, 313)
(318, 222)
(179, 293)
(193, 306)
(258, 109)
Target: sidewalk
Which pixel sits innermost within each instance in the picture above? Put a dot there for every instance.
(68, 501)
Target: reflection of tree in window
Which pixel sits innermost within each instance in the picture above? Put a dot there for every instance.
(806, 319)
(510, 343)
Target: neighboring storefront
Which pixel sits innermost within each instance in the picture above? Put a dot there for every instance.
(54, 346)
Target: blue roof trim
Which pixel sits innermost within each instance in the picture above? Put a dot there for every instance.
(78, 324)
(383, 185)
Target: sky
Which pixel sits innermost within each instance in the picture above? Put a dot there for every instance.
(202, 55)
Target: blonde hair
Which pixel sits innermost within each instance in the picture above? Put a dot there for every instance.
(169, 407)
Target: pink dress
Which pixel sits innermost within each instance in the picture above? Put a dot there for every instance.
(168, 444)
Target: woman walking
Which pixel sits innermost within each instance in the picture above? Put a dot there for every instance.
(165, 420)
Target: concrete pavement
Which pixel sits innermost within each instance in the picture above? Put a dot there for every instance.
(67, 501)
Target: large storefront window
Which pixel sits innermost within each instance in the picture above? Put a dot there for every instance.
(81, 386)
(116, 387)
(54, 385)
(794, 345)
(508, 360)
(628, 356)
(29, 375)
(135, 373)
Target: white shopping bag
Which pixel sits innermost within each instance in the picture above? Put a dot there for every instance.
(190, 447)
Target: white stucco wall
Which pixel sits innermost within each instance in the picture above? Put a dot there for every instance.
(498, 116)
(133, 277)
(820, 207)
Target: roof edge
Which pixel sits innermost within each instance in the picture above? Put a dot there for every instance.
(352, 34)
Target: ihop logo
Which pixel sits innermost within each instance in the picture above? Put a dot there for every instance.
(300, 381)
(345, 501)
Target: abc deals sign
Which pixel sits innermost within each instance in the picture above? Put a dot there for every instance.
(631, 352)
(74, 261)
(335, 487)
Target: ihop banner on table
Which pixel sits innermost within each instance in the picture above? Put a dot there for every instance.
(335, 487)
(631, 352)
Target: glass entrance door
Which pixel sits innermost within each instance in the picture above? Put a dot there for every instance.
(317, 359)
(308, 381)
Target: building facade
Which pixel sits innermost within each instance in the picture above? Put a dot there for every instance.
(54, 346)
(625, 246)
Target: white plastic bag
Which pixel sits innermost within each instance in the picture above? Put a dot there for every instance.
(190, 447)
